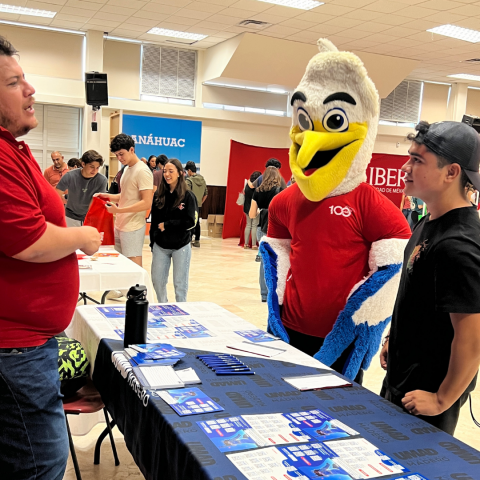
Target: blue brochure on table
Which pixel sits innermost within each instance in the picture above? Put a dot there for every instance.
(112, 312)
(341, 460)
(319, 425)
(412, 476)
(166, 310)
(229, 434)
(256, 336)
(189, 401)
(154, 354)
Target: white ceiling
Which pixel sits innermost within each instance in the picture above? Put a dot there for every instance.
(389, 27)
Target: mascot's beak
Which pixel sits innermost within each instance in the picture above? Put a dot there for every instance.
(320, 160)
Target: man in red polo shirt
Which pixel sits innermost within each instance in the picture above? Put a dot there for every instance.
(37, 261)
(55, 172)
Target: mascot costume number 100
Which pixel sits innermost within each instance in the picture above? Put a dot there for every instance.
(334, 248)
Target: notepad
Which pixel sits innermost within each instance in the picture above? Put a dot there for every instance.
(188, 376)
(317, 382)
(158, 377)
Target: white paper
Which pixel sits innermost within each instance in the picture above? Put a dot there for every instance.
(160, 377)
(361, 459)
(315, 382)
(273, 429)
(264, 464)
(188, 376)
(257, 349)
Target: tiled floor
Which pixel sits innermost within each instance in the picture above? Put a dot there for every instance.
(225, 274)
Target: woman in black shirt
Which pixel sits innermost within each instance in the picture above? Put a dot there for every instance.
(263, 195)
(174, 215)
(252, 223)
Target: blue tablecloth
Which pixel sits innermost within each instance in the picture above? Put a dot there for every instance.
(167, 446)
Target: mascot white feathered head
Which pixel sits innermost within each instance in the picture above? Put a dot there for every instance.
(335, 119)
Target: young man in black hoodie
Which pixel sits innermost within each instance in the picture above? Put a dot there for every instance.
(432, 353)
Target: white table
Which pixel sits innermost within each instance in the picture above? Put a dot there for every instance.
(112, 273)
(89, 326)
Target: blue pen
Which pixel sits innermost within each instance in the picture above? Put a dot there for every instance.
(215, 355)
(226, 362)
(221, 360)
(231, 369)
(235, 373)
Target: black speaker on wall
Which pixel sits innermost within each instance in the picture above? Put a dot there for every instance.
(472, 121)
(96, 89)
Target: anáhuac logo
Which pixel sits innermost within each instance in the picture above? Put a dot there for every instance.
(160, 141)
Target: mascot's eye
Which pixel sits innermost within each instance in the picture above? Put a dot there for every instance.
(335, 120)
(304, 121)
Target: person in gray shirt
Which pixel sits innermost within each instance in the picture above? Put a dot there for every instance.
(81, 185)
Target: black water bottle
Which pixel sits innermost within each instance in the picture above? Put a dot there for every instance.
(136, 316)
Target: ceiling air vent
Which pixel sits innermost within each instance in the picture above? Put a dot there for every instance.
(473, 60)
(253, 24)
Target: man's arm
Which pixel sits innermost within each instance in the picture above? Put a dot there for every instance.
(113, 197)
(464, 363)
(59, 242)
(60, 194)
(203, 199)
(144, 204)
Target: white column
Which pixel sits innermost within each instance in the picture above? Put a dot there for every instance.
(457, 103)
(93, 63)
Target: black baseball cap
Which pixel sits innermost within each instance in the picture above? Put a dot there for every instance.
(457, 142)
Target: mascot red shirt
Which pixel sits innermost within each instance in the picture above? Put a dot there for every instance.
(334, 248)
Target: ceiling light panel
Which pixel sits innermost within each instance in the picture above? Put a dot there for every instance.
(301, 4)
(26, 11)
(176, 34)
(466, 76)
(466, 34)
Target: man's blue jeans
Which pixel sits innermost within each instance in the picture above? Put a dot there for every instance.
(261, 278)
(161, 260)
(33, 433)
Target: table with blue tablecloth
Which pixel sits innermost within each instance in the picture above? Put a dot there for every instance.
(167, 446)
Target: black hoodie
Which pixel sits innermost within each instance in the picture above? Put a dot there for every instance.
(178, 221)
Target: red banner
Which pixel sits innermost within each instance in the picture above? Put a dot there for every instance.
(245, 159)
(383, 172)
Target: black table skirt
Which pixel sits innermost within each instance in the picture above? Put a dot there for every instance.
(167, 446)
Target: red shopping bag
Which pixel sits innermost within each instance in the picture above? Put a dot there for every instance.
(100, 218)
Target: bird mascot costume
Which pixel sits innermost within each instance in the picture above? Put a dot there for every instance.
(334, 248)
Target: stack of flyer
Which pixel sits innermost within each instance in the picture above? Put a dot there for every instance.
(153, 354)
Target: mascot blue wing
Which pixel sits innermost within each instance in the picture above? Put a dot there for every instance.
(269, 258)
(345, 331)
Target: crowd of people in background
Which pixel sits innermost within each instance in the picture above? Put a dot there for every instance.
(172, 193)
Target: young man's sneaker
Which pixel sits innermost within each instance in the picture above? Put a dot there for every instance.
(196, 243)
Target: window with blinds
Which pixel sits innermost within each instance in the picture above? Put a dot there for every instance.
(168, 72)
(59, 128)
(403, 104)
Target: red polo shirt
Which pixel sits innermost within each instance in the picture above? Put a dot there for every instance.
(37, 300)
(53, 175)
